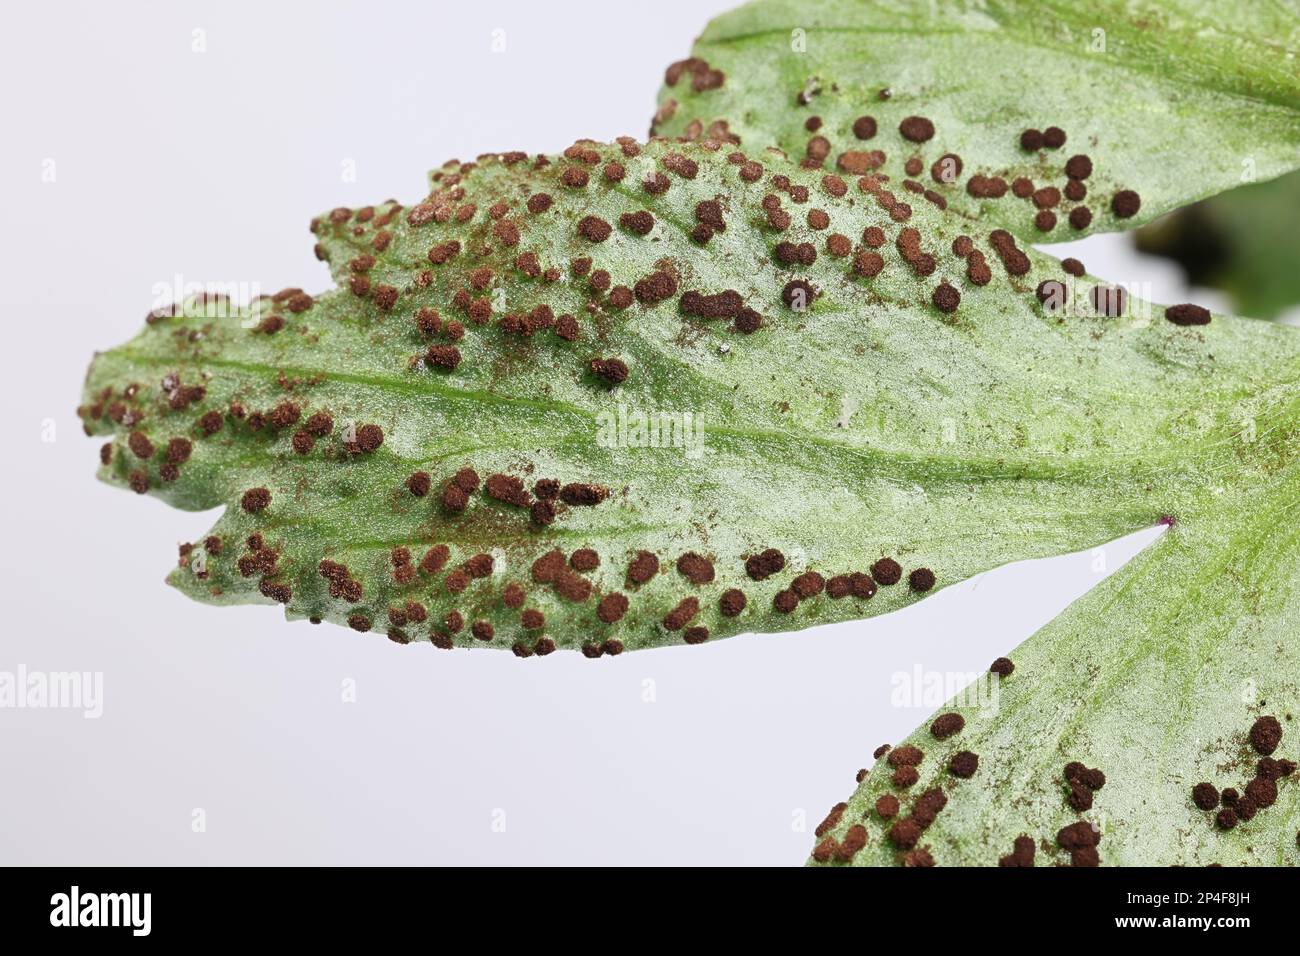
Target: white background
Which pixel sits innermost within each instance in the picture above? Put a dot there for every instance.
(210, 165)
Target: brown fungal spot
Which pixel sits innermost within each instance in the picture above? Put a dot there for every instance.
(508, 489)
(566, 327)
(695, 568)
(980, 186)
(612, 607)
(1078, 167)
(210, 422)
(926, 808)
(862, 586)
(867, 263)
(732, 602)
(140, 445)
(905, 777)
(681, 165)
(418, 483)
(834, 185)
(640, 222)
(584, 560)
(857, 162)
(945, 725)
(696, 635)
(917, 129)
(709, 212)
(887, 806)
(946, 169)
(831, 820)
(482, 630)
(255, 500)
(963, 764)
(682, 614)
(864, 127)
(724, 305)
(583, 494)
(946, 298)
(654, 288)
(797, 294)
(656, 184)
(575, 177)
(1126, 203)
(921, 580)
(839, 245)
(1072, 266)
(1031, 140)
(1205, 796)
(886, 571)
(807, 585)
(904, 756)
(1022, 853)
(785, 601)
(792, 253)
(1261, 790)
(1013, 258)
(1077, 835)
(1002, 667)
(1265, 735)
(643, 567)
(1080, 217)
(594, 229)
(764, 564)
(612, 370)
(905, 833)
(479, 566)
(1188, 314)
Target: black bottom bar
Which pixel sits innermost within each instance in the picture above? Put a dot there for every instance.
(334, 905)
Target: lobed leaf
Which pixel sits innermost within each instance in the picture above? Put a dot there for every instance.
(1165, 102)
(873, 423)
(1162, 678)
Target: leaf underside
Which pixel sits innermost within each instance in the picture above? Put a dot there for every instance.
(880, 418)
(1173, 101)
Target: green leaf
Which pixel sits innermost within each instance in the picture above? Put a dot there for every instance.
(1156, 678)
(872, 424)
(1174, 101)
(1243, 242)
